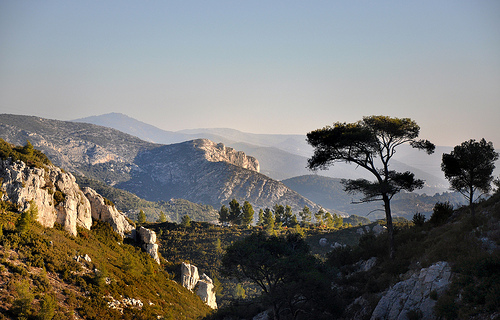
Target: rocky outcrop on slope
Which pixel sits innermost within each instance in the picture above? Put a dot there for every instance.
(199, 171)
(148, 240)
(206, 291)
(103, 211)
(414, 295)
(217, 152)
(189, 276)
(54, 192)
(190, 279)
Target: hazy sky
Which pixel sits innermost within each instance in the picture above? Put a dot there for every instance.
(257, 66)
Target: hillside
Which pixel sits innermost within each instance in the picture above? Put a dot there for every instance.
(199, 171)
(131, 204)
(329, 193)
(47, 272)
(282, 156)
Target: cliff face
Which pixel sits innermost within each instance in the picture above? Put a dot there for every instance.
(57, 197)
(200, 170)
(56, 194)
(220, 153)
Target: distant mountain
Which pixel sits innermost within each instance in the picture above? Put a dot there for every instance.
(144, 131)
(329, 193)
(199, 170)
(281, 156)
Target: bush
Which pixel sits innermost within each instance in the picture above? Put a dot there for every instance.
(418, 219)
(441, 212)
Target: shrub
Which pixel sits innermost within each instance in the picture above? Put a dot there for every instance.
(441, 212)
(47, 307)
(418, 219)
(21, 306)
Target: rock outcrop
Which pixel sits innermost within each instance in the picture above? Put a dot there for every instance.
(148, 240)
(190, 280)
(189, 276)
(206, 291)
(414, 295)
(59, 199)
(216, 152)
(103, 211)
(55, 193)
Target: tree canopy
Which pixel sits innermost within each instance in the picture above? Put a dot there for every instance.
(370, 144)
(283, 268)
(469, 168)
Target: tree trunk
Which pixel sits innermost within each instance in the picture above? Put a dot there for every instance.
(390, 229)
(471, 201)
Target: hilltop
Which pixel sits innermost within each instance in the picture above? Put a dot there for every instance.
(200, 171)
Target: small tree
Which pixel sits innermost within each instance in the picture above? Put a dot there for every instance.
(248, 213)
(260, 221)
(223, 214)
(162, 218)
(469, 168)
(319, 217)
(141, 217)
(26, 219)
(235, 216)
(305, 215)
(370, 144)
(269, 220)
(186, 221)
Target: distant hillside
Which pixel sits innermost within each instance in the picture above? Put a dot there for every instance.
(174, 209)
(329, 193)
(199, 171)
(281, 156)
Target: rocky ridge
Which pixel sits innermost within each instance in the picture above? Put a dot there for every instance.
(200, 171)
(59, 199)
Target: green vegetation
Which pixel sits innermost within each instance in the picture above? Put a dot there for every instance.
(370, 144)
(469, 168)
(288, 275)
(47, 281)
(27, 154)
(132, 204)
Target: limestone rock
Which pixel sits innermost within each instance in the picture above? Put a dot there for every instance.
(323, 242)
(107, 213)
(378, 229)
(189, 276)
(22, 184)
(414, 293)
(216, 152)
(148, 239)
(206, 291)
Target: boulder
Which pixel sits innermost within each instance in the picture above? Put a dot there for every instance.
(189, 276)
(378, 229)
(148, 240)
(323, 242)
(206, 291)
(414, 294)
(107, 213)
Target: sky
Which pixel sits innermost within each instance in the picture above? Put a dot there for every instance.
(268, 66)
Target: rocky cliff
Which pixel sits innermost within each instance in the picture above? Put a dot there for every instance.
(55, 193)
(199, 171)
(59, 199)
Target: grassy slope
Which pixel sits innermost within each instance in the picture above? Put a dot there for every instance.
(129, 203)
(46, 258)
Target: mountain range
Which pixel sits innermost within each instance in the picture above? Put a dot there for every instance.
(283, 156)
(200, 170)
